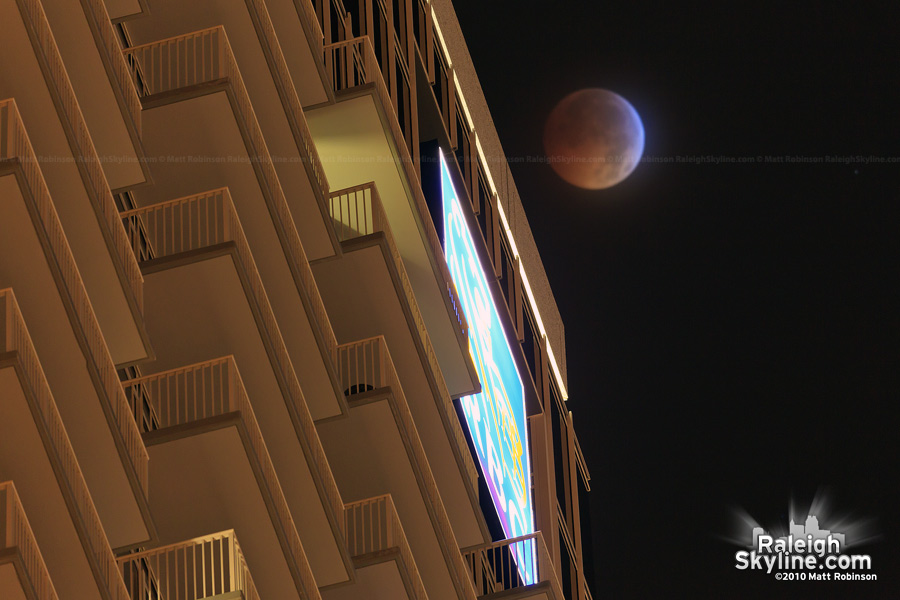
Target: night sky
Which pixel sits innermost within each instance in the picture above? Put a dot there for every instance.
(733, 333)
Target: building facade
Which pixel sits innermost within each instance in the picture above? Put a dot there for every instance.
(272, 322)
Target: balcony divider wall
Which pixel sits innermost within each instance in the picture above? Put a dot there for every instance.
(17, 154)
(18, 546)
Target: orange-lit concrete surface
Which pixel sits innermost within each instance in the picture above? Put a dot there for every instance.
(389, 308)
(203, 287)
(203, 116)
(385, 567)
(377, 450)
(51, 112)
(204, 439)
(38, 459)
(231, 350)
(38, 264)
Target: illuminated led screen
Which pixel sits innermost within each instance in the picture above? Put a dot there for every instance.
(496, 416)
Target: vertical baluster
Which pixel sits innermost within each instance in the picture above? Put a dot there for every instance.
(221, 569)
(198, 400)
(231, 558)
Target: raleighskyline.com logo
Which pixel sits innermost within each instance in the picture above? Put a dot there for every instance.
(805, 553)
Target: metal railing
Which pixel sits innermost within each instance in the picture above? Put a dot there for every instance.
(309, 19)
(372, 526)
(209, 218)
(186, 224)
(86, 158)
(16, 534)
(358, 211)
(367, 365)
(189, 394)
(212, 388)
(352, 63)
(200, 568)
(282, 78)
(424, 34)
(15, 146)
(205, 56)
(108, 44)
(14, 337)
(511, 564)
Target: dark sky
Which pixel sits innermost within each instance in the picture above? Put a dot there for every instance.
(733, 332)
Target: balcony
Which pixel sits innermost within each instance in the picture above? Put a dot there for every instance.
(377, 450)
(71, 167)
(208, 452)
(36, 455)
(204, 567)
(205, 298)
(35, 259)
(360, 139)
(23, 573)
(95, 66)
(303, 53)
(198, 116)
(518, 568)
(385, 567)
(372, 262)
(270, 90)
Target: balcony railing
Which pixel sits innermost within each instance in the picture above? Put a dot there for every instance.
(201, 221)
(512, 564)
(185, 224)
(310, 21)
(16, 535)
(86, 157)
(205, 56)
(313, 162)
(117, 68)
(353, 63)
(14, 337)
(15, 146)
(358, 211)
(374, 526)
(367, 365)
(209, 389)
(203, 567)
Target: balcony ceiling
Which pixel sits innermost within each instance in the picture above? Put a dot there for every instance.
(378, 581)
(125, 9)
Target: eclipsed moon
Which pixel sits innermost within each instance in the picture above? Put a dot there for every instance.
(594, 138)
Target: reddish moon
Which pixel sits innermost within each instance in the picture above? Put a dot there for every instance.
(594, 138)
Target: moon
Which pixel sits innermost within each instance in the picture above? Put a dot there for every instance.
(594, 138)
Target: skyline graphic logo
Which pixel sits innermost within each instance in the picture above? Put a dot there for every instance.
(806, 552)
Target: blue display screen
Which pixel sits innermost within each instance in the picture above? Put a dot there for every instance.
(496, 416)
